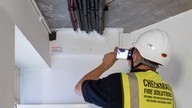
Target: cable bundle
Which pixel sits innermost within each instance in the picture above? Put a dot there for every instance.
(88, 15)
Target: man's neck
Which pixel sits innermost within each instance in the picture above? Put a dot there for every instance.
(144, 67)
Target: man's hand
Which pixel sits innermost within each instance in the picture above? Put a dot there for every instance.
(109, 59)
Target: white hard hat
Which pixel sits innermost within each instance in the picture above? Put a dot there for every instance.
(155, 46)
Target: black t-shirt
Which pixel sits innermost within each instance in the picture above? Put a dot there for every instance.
(105, 92)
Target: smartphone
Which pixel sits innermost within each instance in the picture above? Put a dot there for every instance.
(122, 53)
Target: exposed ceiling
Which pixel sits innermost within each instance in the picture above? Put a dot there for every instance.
(128, 14)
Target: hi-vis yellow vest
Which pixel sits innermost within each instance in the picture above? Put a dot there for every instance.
(146, 90)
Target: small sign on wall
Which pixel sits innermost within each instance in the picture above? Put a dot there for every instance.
(56, 49)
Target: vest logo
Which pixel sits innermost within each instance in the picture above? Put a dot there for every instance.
(157, 92)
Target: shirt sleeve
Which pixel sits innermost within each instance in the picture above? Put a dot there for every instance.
(99, 91)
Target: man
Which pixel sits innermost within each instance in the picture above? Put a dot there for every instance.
(142, 87)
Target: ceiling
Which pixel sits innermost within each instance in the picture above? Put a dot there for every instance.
(128, 14)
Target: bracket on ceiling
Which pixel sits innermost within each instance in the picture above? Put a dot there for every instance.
(52, 36)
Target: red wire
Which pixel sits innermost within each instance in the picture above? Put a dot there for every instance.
(73, 15)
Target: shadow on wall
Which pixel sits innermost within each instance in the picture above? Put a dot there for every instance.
(172, 72)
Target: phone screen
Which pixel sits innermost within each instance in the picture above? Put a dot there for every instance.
(122, 53)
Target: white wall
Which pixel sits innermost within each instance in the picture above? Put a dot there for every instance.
(6, 61)
(21, 13)
(56, 85)
(71, 42)
(26, 56)
(25, 17)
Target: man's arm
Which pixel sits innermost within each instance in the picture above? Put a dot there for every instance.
(108, 61)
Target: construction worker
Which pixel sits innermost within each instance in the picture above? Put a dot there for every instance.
(142, 87)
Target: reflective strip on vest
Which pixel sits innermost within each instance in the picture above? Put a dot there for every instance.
(130, 91)
(126, 92)
(146, 90)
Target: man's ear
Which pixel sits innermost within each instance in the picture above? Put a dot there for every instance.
(136, 58)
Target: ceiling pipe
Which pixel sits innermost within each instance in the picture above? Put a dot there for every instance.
(41, 17)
